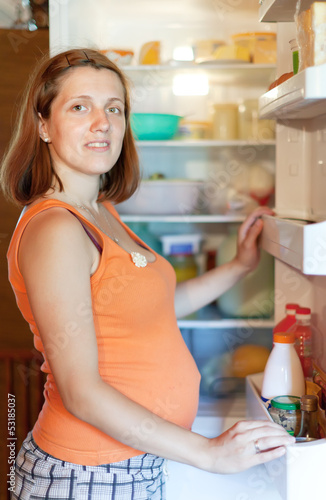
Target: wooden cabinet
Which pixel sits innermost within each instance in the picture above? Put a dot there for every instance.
(19, 51)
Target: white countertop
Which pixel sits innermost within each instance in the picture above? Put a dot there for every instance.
(188, 483)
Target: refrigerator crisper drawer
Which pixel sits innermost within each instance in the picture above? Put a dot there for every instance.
(299, 474)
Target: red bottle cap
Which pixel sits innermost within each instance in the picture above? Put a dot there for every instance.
(304, 310)
(291, 307)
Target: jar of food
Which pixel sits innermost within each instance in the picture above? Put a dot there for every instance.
(185, 266)
(295, 55)
(251, 127)
(225, 122)
(285, 411)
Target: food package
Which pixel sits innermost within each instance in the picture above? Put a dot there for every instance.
(150, 53)
(264, 52)
(261, 46)
(205, 48)
(119, 56)
(235, 52)
(311, 35)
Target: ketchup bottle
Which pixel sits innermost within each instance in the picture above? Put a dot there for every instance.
(289, 321)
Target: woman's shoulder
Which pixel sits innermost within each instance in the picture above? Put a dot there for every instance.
(46, 218)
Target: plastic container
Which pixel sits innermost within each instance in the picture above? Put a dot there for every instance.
(261, 45)
(285, 411)
(163, 197)
(252, 297)
(283, 372)
(181, 243)
(194, 130)
(225, 122)
(295, 55)
(289, 321)
(154, 126)
(303, 340)
(309, 417)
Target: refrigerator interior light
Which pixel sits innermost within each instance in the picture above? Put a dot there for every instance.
(184, 53)
(190, 84)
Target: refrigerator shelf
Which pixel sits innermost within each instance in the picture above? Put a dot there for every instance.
(209, 318)
(203, 143)
(217, 72)
(302, 96)
(220, 218)
(277, 10)
(301, 244)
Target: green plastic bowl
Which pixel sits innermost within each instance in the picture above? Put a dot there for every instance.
(154, 126)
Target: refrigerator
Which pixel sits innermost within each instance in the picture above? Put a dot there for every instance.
(295, 237)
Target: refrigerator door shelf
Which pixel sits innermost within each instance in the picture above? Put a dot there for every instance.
(277, 10)
(292, 474)
(302, 96)
(300, 244)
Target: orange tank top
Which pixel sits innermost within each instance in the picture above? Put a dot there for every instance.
(140, 348)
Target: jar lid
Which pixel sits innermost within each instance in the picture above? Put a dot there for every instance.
(284, 337)
(254, 34)
(309, 402)
(286, 402)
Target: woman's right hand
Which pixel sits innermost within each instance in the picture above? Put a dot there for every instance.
(246, 444)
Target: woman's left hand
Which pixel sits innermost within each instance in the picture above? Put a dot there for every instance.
(247, 247)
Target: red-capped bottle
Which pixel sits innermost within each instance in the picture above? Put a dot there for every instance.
(289, 320)
(303, 339)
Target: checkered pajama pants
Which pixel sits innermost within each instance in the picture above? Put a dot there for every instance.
(39, 476)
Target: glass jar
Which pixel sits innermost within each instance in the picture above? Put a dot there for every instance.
(285, 411)
(295, 55)
(251, 127)
(185, 266)
(225, 122)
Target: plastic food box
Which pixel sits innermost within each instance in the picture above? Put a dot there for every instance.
(298, 475)
(163, 197)
(181, 243)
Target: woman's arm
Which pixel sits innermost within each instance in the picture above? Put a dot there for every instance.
(193, 294)
(56, 259)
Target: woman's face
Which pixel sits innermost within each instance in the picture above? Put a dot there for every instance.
(87, 122)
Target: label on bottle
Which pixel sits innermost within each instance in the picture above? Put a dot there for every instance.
(267, 402)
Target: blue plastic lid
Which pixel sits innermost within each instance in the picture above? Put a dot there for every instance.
(183, 248)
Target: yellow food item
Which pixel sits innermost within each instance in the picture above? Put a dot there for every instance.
(232, 52)
(248, 359)
(150, 53)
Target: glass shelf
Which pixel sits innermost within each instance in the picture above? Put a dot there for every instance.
(204, 143)
(209, 318)
(242, 73)
(191, 218)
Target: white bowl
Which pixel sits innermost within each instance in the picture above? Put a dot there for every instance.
(163, 197)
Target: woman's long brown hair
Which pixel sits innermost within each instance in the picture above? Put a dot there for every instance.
(27, 171)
